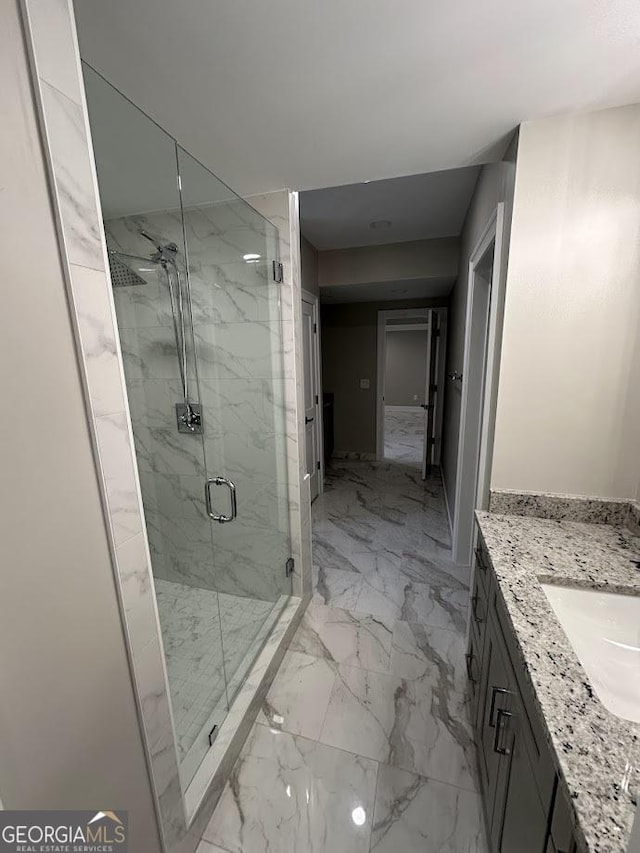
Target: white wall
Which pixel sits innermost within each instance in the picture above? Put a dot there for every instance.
(568, 417)
(391, 262)
(495, 184)
(69, 731)
(405, 369)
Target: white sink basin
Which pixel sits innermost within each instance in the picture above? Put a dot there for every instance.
(604, 630)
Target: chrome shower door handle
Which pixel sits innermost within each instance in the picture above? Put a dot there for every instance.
(220, 481)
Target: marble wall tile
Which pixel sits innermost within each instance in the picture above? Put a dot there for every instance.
(240, 350)
(137, 595)
(53, 33)
(236, 408)
(117, 461)
(73, 178)
(98, 340)
(156, 713)
(282, 209)
(234, 293)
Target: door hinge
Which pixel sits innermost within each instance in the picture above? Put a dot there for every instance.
(436, 333)
(289, 567)
(318, 464)
(317, 399)
(213, 734)
(433, 388)
(315, 328)
(278, 272)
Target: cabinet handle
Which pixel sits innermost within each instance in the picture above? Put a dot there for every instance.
(502, 715)
(469, 658)
(495, 692)
(474, 609)
(480, 560)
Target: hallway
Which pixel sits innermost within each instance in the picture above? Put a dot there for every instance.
(363, 743)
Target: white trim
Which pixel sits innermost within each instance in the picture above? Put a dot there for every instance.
(395, 314)
(408, 327)
(314, 300)
(472, 476)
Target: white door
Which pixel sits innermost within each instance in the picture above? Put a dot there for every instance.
(309, 331)
(430, 391)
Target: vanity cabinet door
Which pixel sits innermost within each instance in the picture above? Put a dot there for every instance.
(494, 695)
(523, 823)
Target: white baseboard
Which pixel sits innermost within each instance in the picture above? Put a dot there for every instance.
(415, 408)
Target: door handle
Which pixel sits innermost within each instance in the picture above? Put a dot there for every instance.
(220, 481)
(308, 420)
(502, 715)
(474, 609)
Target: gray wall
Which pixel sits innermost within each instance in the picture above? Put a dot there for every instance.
(309, 266)
(69, 732)
(405, 368)
(421, 259)
(495, 184)
(349, 353)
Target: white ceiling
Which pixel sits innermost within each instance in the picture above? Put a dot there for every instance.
(384, 291)
(310, 94)
(419, 207)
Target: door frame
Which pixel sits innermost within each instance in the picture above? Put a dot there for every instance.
(421, 315)
(473, 476)
(314, 300)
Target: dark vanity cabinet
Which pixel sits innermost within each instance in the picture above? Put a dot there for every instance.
(526, 809)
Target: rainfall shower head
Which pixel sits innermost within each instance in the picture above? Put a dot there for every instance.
(122, 275)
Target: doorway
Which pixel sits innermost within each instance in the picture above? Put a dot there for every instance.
(411, 347)
(479, 384)
(312, 385)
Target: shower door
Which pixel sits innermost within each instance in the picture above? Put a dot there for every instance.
(198, 316)
(238, 337)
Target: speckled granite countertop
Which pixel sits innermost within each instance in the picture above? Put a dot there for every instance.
(597, 753)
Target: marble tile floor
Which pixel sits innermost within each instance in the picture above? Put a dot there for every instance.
(364, 742)
(404, 436)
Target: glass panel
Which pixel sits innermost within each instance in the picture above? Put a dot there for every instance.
(239, 347)
(137, 173)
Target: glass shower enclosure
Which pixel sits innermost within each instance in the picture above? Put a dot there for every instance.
(194, 273)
